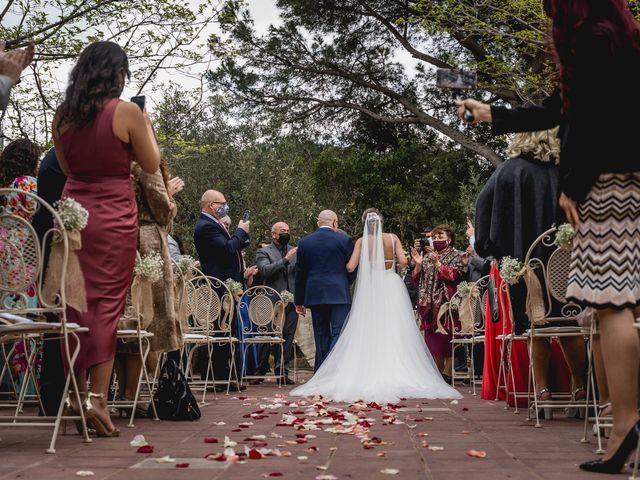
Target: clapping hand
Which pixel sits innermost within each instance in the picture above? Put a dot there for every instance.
(175, 185)
(416, 256)
(291, 253)
(250, 272)
(14, 62)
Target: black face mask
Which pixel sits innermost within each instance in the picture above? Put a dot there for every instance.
(283, 239)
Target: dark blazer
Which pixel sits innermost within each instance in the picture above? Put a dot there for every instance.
(321, 269)
(218, 251)
(275, 271)
(598, 132)
(51, 180)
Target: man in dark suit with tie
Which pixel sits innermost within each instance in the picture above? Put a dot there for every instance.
(276, 264)
(219, 253)
(322, 282)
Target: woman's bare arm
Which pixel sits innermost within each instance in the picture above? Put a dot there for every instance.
(355, 256)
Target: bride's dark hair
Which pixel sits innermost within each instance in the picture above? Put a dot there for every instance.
(95, 78)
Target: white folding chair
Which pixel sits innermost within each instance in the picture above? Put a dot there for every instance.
(211, 309)
(553, 263)
(21, 266)
(463, 338)
(130, 330)
(264, 310)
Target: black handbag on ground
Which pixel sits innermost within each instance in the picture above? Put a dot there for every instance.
(173, 397)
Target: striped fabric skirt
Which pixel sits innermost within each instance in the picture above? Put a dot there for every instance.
(605, 261)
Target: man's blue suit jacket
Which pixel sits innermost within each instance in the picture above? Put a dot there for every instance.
(321, 269)
(218, 251)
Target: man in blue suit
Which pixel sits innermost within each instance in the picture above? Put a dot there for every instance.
(219, 253)
(322, 282)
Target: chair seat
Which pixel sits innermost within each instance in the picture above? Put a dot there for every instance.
(468, 340)
(38, 328)
(196, 337)
(555, 332)
(134, 334)
(262, 339)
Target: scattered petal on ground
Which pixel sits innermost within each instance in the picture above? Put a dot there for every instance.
(454, 402)
(326, 477)
(84, 473)
(228, 443)
(210, 440)
(390, 471)
(138, 441)
(166, 459)
(477, 453)
(146, 449)
(435, 448)
(182, 465)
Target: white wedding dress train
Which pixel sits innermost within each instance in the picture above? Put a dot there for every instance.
(380, 355)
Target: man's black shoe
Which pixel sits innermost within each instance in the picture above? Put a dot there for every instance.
(286, 381)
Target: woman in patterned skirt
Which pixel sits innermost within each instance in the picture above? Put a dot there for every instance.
(597, 50)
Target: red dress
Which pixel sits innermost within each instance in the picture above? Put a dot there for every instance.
(99, 166)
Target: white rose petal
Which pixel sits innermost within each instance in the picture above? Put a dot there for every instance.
(166, 459)
(138, 441)
(390, 471)
(84, 473)
(229, 443)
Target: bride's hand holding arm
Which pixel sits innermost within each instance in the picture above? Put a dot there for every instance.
(355, 257)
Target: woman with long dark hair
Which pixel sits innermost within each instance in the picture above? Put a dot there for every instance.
(597, 49)
(96, 137)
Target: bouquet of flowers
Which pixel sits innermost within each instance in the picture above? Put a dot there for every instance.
(73, 215)
(564, 236)
(186, 263)
(150, 267)
(464, 289)
(234, 287)
(287, 297)
(74, 218)
(511, 269)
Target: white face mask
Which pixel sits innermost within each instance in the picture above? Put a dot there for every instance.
(472, 241)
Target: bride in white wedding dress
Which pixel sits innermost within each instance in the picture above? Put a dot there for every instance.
(380, 355)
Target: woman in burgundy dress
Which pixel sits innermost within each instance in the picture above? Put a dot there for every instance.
(96, 136)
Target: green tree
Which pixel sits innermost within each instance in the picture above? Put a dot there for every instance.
(157, 35)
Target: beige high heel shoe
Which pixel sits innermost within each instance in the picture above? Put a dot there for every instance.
(94, 420)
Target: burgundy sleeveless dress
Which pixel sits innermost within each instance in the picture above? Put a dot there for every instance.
(99, 166)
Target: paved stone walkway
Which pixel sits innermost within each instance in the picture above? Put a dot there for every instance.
(421, 439)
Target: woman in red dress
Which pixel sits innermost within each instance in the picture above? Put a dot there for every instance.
(96, 137)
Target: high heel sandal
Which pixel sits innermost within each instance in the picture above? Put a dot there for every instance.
(578, 394)
(617, 461)
(545, 413)
(95, 421)
(69, 411)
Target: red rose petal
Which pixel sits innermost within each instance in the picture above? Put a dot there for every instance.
(312, 449)
(146, 449)
(210, 440)
(236, 430)
(276, 474)
(301, 440)
(368, 447)
(182, 465)
(301, 435)
(255, 455)
(465, 409)
(218, 457)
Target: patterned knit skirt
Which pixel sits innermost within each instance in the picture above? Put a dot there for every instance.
(605, 261)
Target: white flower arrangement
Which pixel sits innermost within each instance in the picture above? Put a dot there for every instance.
(186, 264)
(564, 236)
(73, 215)
(287, 297)
(511, 270)
(234, 287)
(150, 267)
(464, 290)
